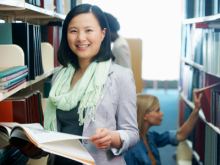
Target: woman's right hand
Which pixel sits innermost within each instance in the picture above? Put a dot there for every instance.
(28, 149)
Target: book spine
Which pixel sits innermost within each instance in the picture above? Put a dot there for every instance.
(13, 87)
(17, 78)
(6, 87)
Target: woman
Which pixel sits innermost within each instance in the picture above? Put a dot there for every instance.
(149, 114)
(91, 96)
(121, 48)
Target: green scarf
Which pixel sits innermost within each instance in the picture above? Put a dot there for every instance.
(88, 90)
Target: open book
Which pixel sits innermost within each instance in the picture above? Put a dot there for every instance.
(61, 144)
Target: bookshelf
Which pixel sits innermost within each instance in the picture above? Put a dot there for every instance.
(199, 51)
(195, 65)
(21, 8)
(13, 55)
(202, 19)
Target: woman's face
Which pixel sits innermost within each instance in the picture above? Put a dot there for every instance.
(85, 35)
(154, 117)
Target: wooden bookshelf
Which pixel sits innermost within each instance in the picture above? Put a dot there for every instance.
(29, 83)
(202, 19)
(24, 10)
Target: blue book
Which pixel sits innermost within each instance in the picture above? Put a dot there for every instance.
(9, 82)
(8, 71)
(8, 86)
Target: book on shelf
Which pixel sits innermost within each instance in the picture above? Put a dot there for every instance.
(12, 84)
(16, 158)
(5, 73)
(6, 153)
(12, 76)
(23, 107)
(200, 8)
(9, 82)
(12, 87)
(206, 102)
(61, 144)
(51, 34)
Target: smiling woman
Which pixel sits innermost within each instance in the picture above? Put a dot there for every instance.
(85, 37)
(91, 96)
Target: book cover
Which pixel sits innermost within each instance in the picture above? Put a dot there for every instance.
(14, 83)
(13, 80)
(12, 87)
(6, 111)
(12, 76)
(32, 50)
(8, 71)
(20, 35)
(5, 34)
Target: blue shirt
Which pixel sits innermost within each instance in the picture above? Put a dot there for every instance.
(139, 154)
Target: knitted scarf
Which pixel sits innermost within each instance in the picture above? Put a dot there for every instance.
(88, 90)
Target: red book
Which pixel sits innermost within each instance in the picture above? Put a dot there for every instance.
(19, 111)
(53, 39)
(12, 76)
(6, 111)
(200, 139)
(42, 3)
(37, 115)
(206, 100)
(12, 87)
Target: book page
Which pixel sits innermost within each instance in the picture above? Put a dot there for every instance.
(39, 135)
(72, 149)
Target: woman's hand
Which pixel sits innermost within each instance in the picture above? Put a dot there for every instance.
(28, 149)
(197, 100)
(102, 138)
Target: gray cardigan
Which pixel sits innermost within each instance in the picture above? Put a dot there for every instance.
(117, 111)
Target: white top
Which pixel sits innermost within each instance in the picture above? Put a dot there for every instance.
(122, 52)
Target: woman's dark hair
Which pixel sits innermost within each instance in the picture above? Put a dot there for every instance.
(112, 22)
(66, 55)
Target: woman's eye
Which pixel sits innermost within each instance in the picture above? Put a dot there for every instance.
(73, 31)
(89, 30)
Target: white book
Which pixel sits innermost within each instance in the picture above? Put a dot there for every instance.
(61, 144)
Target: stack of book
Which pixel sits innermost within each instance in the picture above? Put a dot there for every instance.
(12, 77)
(22, 107)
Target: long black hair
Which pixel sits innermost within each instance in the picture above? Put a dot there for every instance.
(66, 55)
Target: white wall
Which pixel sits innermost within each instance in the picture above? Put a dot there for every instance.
(158, 24)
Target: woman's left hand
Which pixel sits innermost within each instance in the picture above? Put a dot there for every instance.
(197, 100)
(102, 138)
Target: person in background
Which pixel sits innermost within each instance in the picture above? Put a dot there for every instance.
(121, 48)
(149, 114)
(91, 96)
